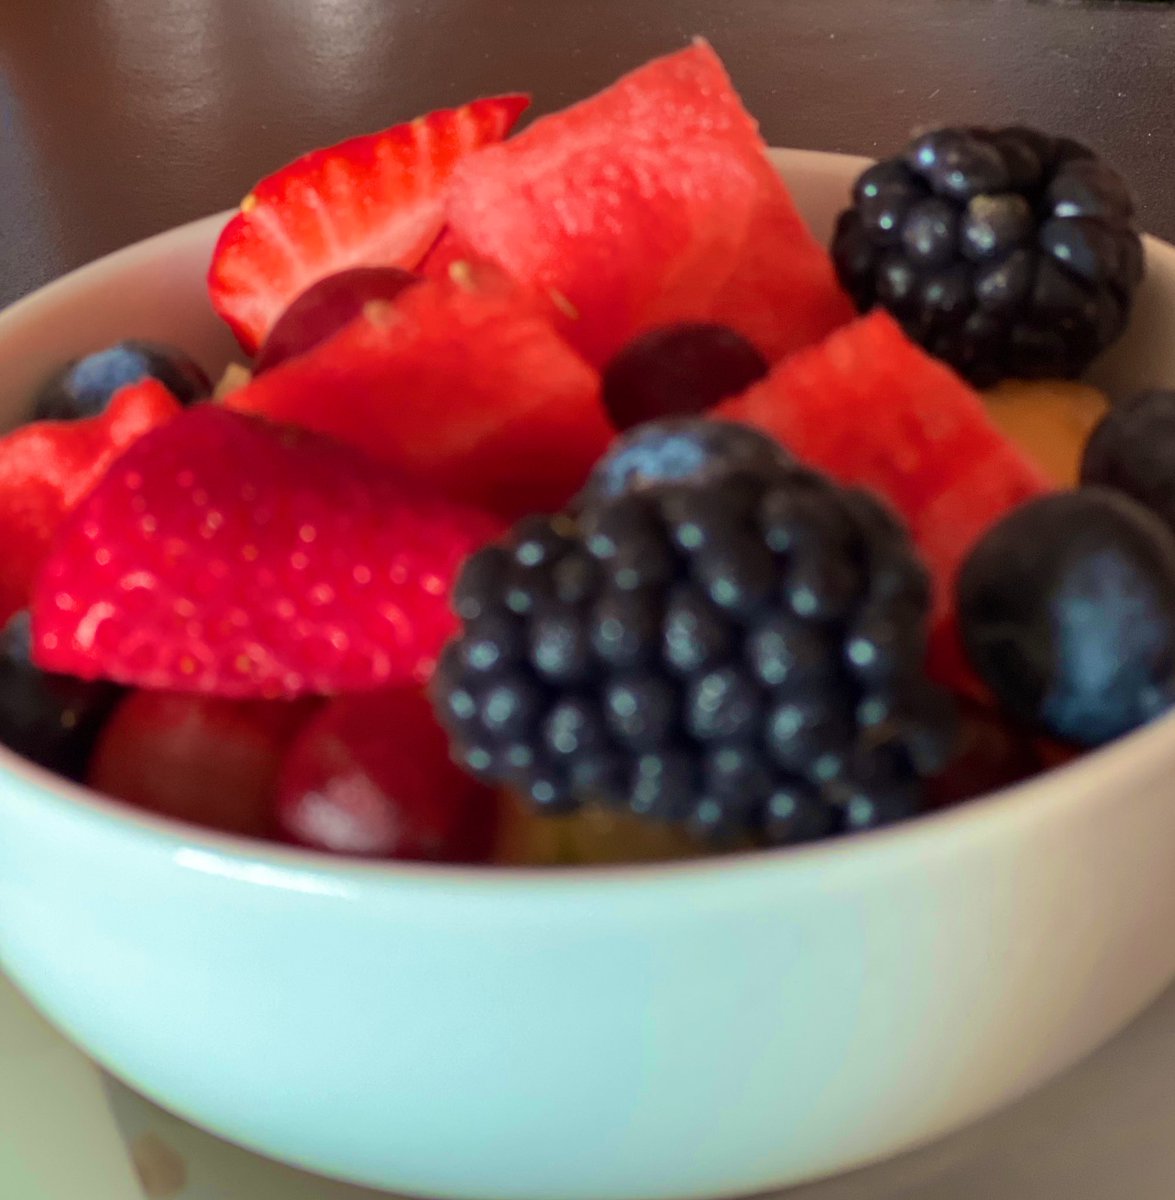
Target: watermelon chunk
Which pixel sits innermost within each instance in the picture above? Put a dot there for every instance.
(460, 382)
(648, 203)
(783, 293)
(872, 409)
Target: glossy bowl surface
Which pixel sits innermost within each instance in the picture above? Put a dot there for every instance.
(694, 1029)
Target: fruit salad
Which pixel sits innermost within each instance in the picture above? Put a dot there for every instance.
(572, 503)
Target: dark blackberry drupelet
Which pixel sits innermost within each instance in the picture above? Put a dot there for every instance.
(681, 450)
(1004, 252)
(53, 720)
(741, 652)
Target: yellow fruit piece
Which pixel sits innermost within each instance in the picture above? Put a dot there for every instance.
(234, 378)
(591, 835)
(1049, 420)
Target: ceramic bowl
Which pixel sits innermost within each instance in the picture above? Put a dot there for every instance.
(695, 1029)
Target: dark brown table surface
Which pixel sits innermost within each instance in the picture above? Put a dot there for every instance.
(120, 118)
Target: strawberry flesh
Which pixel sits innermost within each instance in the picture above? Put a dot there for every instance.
(48, 466)
(375, 200)
(226, 555)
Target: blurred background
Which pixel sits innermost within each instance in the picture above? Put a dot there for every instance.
(119, 118)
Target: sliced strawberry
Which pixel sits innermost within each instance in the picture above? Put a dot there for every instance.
(222, 554)
(461, 382)
(48, 466)
(376, 200)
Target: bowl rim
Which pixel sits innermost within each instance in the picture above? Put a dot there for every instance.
(1080, 785)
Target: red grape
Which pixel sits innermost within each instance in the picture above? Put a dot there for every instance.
(678, 370)
(202, 759)
(325, 307)
(371, 776)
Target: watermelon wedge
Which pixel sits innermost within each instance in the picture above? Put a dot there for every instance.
(649, 203)
(872, 409)
(460, 382)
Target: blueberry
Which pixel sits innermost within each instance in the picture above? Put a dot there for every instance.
(50, 719)
(1132, 450)
(682, 450)
(83, 388)
(1067, 611)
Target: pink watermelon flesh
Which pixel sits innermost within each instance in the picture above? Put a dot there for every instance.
(872, 409)
(459, 383)
(783, 293)
(649, 203)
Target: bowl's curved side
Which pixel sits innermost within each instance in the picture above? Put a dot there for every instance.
(152, 290)
(694, 1030)
(451, 1040)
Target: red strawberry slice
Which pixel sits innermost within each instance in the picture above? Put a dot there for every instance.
(871, 408)
(225, 555)
(376, 200)
(649, 203)
(461, 383)
(48, 466)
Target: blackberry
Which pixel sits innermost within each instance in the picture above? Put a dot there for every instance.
(1067, 612)
(742, 653)
(52, 720)
(682, 450)
(83, 388)
(1004, 252)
